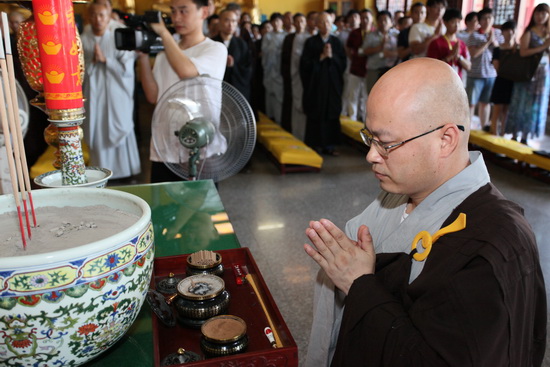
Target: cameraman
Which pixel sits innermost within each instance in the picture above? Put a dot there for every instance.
(191, 56)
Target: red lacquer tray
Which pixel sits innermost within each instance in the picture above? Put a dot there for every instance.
(244, 303)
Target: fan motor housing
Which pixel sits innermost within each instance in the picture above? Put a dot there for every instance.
(197, 133)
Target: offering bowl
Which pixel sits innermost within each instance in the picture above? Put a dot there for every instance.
(97, 177)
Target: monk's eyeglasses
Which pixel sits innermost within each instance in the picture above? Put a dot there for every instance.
(383, 149)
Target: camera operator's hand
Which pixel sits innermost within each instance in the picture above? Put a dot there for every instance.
(160, 28)
(98, 55)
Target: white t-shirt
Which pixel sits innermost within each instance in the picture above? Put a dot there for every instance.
(420, 31)
(210, 58)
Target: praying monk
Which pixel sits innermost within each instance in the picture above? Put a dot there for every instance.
(109, 93)
(441, 269)
(322, 69)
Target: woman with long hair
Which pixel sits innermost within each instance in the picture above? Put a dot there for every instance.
(529, 103)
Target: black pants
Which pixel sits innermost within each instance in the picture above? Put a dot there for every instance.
(161, 173)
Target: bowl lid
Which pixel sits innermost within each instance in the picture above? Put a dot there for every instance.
(180, 357)
(224, 328)
(201, 286)
(168, 285)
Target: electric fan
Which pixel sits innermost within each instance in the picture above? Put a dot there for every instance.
(203, 128)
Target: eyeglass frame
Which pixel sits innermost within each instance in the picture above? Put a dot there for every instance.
(363, 133)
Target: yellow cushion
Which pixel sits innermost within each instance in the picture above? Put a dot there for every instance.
(351, 128)
(262, 119)
(281, 140)
(297, 154)
(45, 162)
(478, 137)
(265, 135)
(346, 118)
(500, 145)
(538, 160)
(510, 148)
(269, 127)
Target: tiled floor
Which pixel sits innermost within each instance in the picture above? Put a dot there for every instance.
(270, 213)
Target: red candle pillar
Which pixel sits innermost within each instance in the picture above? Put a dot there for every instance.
(61, 76)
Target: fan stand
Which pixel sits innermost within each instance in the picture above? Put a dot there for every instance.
(194, 158)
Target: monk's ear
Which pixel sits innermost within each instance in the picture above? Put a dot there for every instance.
(450, 139)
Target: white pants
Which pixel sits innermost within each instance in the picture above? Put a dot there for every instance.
(356, 98)
(273, 99)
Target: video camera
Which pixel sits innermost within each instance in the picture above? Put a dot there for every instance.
(139, 36)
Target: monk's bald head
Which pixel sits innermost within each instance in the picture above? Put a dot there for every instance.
(427, 91)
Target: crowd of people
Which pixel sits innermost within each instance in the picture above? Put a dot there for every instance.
(372, 43)
(440, 269)
(305, 70)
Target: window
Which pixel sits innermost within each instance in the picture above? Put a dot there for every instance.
(504, 10)
(393, 5)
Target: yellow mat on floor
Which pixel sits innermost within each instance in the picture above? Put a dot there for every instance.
(263, 119)
(286, 148)
(272, 141)
(297, 154)
(500, 145)
(351, 128)
(265, 135)
(269, 127)
(538, 160)
(509, 148)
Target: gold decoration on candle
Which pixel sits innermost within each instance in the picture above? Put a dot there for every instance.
(68, 115)
(77, 75)
(51, 48)
(47, 18)
(55, 77)
(70, 16)
(62, 96)
(74, 49)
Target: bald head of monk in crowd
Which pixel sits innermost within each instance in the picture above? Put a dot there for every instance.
(420, 96)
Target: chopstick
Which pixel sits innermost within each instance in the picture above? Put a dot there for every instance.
(250, 279)
(15, 106)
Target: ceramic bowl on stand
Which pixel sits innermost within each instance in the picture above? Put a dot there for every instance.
(66, 307)
(97, 177)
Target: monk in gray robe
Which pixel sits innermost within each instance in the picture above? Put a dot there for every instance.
(109, 93)
(441, 269)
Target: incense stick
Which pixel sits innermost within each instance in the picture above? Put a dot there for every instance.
(15, 106)
(13, 146)
(10, 155)
(13, 135)
(250, 279)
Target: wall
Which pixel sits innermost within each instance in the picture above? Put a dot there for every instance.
(269, 6)
(303, 6)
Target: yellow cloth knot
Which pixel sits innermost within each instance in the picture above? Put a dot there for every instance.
(428, 240)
